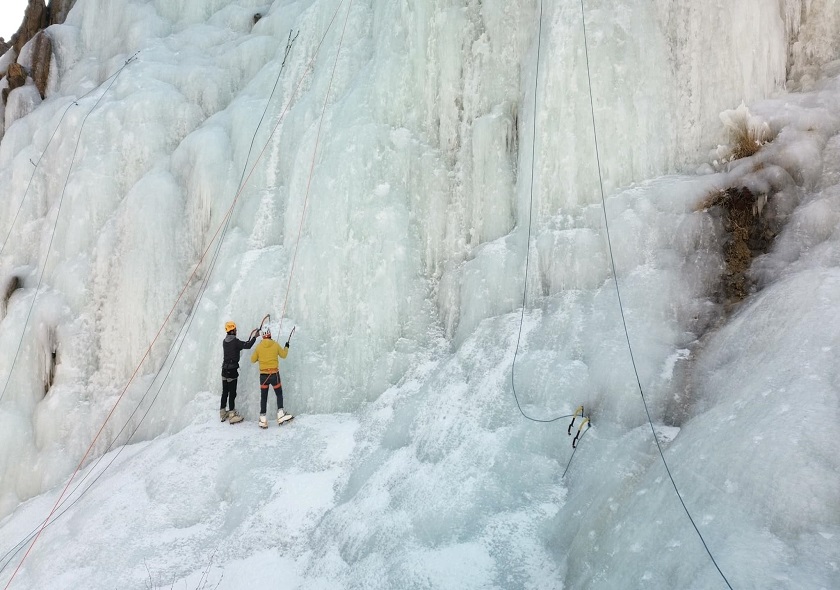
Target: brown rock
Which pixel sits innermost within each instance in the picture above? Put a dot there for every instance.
(35, 18)
(41, 59)
(58, 10)
(17, 78)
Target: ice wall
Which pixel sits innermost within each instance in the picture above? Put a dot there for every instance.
(416, 217)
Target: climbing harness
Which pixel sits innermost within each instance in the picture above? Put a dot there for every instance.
(61, 497)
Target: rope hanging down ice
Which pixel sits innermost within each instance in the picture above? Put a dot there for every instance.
(528, 242)
(312, 165)
(179, 340)
(113, 79)
(621, 306)
(46, 147)
(178, 299)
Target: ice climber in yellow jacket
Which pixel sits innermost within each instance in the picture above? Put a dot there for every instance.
(267, 352)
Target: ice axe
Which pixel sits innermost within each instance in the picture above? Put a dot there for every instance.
(265, 319)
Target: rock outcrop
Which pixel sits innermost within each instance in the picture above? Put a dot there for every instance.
(38, 16)
(58, 10)
(41, 60)
(35, 19)
(16, 75)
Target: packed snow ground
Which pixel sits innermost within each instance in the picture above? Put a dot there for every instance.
(409, 465)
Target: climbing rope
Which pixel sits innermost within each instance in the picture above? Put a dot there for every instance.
(16, 549)
(585, 422)
(621, 306)
(10, 554)
(312, 165)
(55, 223)
(578, 437)
(242, 180)
(528, 243)
(43, 153)
(224, 223)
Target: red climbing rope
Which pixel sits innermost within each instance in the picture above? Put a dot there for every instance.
(183, 291)
(312, 166)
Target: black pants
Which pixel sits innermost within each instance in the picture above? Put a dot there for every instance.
(228, 393)
(272, 379)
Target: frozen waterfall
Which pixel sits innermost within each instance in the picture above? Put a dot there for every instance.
(409, 465)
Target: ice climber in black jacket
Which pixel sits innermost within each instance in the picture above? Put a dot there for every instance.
(232, 347)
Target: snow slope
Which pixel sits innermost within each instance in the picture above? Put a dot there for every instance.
(409, 465)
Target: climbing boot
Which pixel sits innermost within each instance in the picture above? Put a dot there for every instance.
(223, 414)
(283, 417)
(234, 417)
(263, 421)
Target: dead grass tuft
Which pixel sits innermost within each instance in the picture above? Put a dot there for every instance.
(747, 134)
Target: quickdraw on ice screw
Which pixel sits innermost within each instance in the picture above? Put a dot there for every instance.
(578, 412)
(586, 423)
(578, 435)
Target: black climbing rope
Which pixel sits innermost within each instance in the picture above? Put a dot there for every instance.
(41, 157)
(55, 223)
(185, 327)
(528, 243)
(578, 437)
(179, 340)
(621, 307)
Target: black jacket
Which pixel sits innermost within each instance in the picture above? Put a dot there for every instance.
(232, 347)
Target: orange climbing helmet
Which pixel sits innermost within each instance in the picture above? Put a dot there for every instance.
(230, 327)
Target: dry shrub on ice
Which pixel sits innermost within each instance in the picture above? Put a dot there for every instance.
(747, 134)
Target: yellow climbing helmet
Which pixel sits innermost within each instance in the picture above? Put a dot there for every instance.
(230, 326)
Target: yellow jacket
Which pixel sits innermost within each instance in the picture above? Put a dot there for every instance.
(267, 352)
